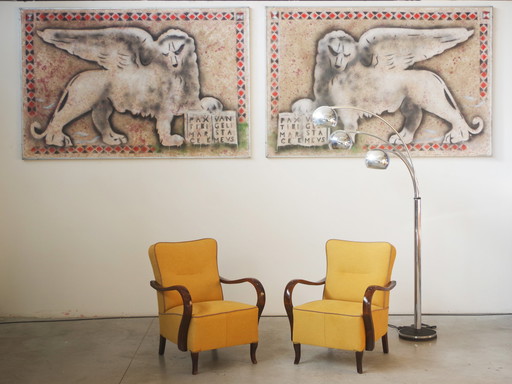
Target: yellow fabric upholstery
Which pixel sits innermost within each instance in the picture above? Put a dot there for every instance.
(215, 323)
(337, 320)
(335, 324)
(190, 263)
(353, 266)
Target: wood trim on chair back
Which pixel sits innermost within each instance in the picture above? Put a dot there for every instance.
(353, 266)
(192, 264)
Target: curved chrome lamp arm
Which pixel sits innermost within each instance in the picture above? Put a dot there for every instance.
(406, 160)
(381, 119)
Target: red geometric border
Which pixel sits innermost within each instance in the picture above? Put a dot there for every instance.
(124, 16)
(484, 31)
(484, 54)
(241, 65)
(28, 32)
(91, 149)
(274, 64)
(420, 147)
(378, 15)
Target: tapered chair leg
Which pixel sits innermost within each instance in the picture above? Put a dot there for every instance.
(253, 353)
(195, 360)
(296, 347)
(161, 348)
(359, 362)
(385, 345)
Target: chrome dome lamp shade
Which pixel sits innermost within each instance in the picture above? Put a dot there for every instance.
(340, 140)
(377, 159)
(326, 117)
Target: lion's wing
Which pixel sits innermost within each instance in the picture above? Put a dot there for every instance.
(112, 48)
(400, 48)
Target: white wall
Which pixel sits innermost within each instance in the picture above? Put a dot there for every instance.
(74, 234)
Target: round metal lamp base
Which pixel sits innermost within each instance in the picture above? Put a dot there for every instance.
(411, 333)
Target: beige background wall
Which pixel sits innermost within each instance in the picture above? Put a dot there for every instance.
(74, 234)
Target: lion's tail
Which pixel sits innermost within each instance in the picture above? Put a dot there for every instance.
(478, 125)
(36, 131)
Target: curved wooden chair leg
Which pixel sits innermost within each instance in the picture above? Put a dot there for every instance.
(296, 347)
(161, 348)
(195, 359)
(385, 345)
(253, 353)
(359, 362)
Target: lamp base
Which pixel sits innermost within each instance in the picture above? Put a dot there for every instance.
(422, 334)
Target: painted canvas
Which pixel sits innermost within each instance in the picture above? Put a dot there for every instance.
(132, 84)
(426, 71)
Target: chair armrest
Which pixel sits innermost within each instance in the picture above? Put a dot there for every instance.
(187, 311)
(288, 292)
(260, 291)
(367, 312)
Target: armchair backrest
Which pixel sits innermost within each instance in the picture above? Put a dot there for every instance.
(192, 264)
(353, 266)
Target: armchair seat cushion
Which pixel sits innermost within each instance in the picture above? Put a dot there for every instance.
(335, 324)
(214, 324)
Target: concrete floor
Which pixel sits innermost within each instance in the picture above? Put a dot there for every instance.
(469, 349)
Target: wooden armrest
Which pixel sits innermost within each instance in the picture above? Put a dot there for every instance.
(260, 291)
(288, 291)
(187, 311)
(368, 295)
(367, 311)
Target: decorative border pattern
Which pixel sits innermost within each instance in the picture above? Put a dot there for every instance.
(123, 16)
(420, 147)
(274, 64)
(241, 68)
(378, 15)
(29, 64)
(484, 54)
(95, 149)
(483, 16)
(28, 29)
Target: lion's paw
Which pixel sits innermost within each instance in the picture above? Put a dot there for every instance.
(172, 141)
(211, 104)
(405, 135)
(303, 106)
(58, 139)
(113, 138)
(456, 136)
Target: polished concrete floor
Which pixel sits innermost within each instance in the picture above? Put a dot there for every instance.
(469, 349)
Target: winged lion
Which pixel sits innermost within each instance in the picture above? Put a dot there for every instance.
(152, 78)
(376, 75)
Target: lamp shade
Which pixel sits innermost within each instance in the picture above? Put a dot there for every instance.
(324, 117)
(340, 140)
(377, 159)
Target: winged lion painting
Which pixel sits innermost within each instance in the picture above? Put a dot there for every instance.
(377, 74)
(152, 78)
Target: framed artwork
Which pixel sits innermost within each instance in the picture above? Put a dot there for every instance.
(135, 84)
(427, 71)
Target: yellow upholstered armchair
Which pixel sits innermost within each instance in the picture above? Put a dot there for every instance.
(192, 311)
(353, 313)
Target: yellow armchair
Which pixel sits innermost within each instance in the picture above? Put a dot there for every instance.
(353, 312)
(191, 308)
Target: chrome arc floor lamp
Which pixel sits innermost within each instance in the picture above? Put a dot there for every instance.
(326, 117)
